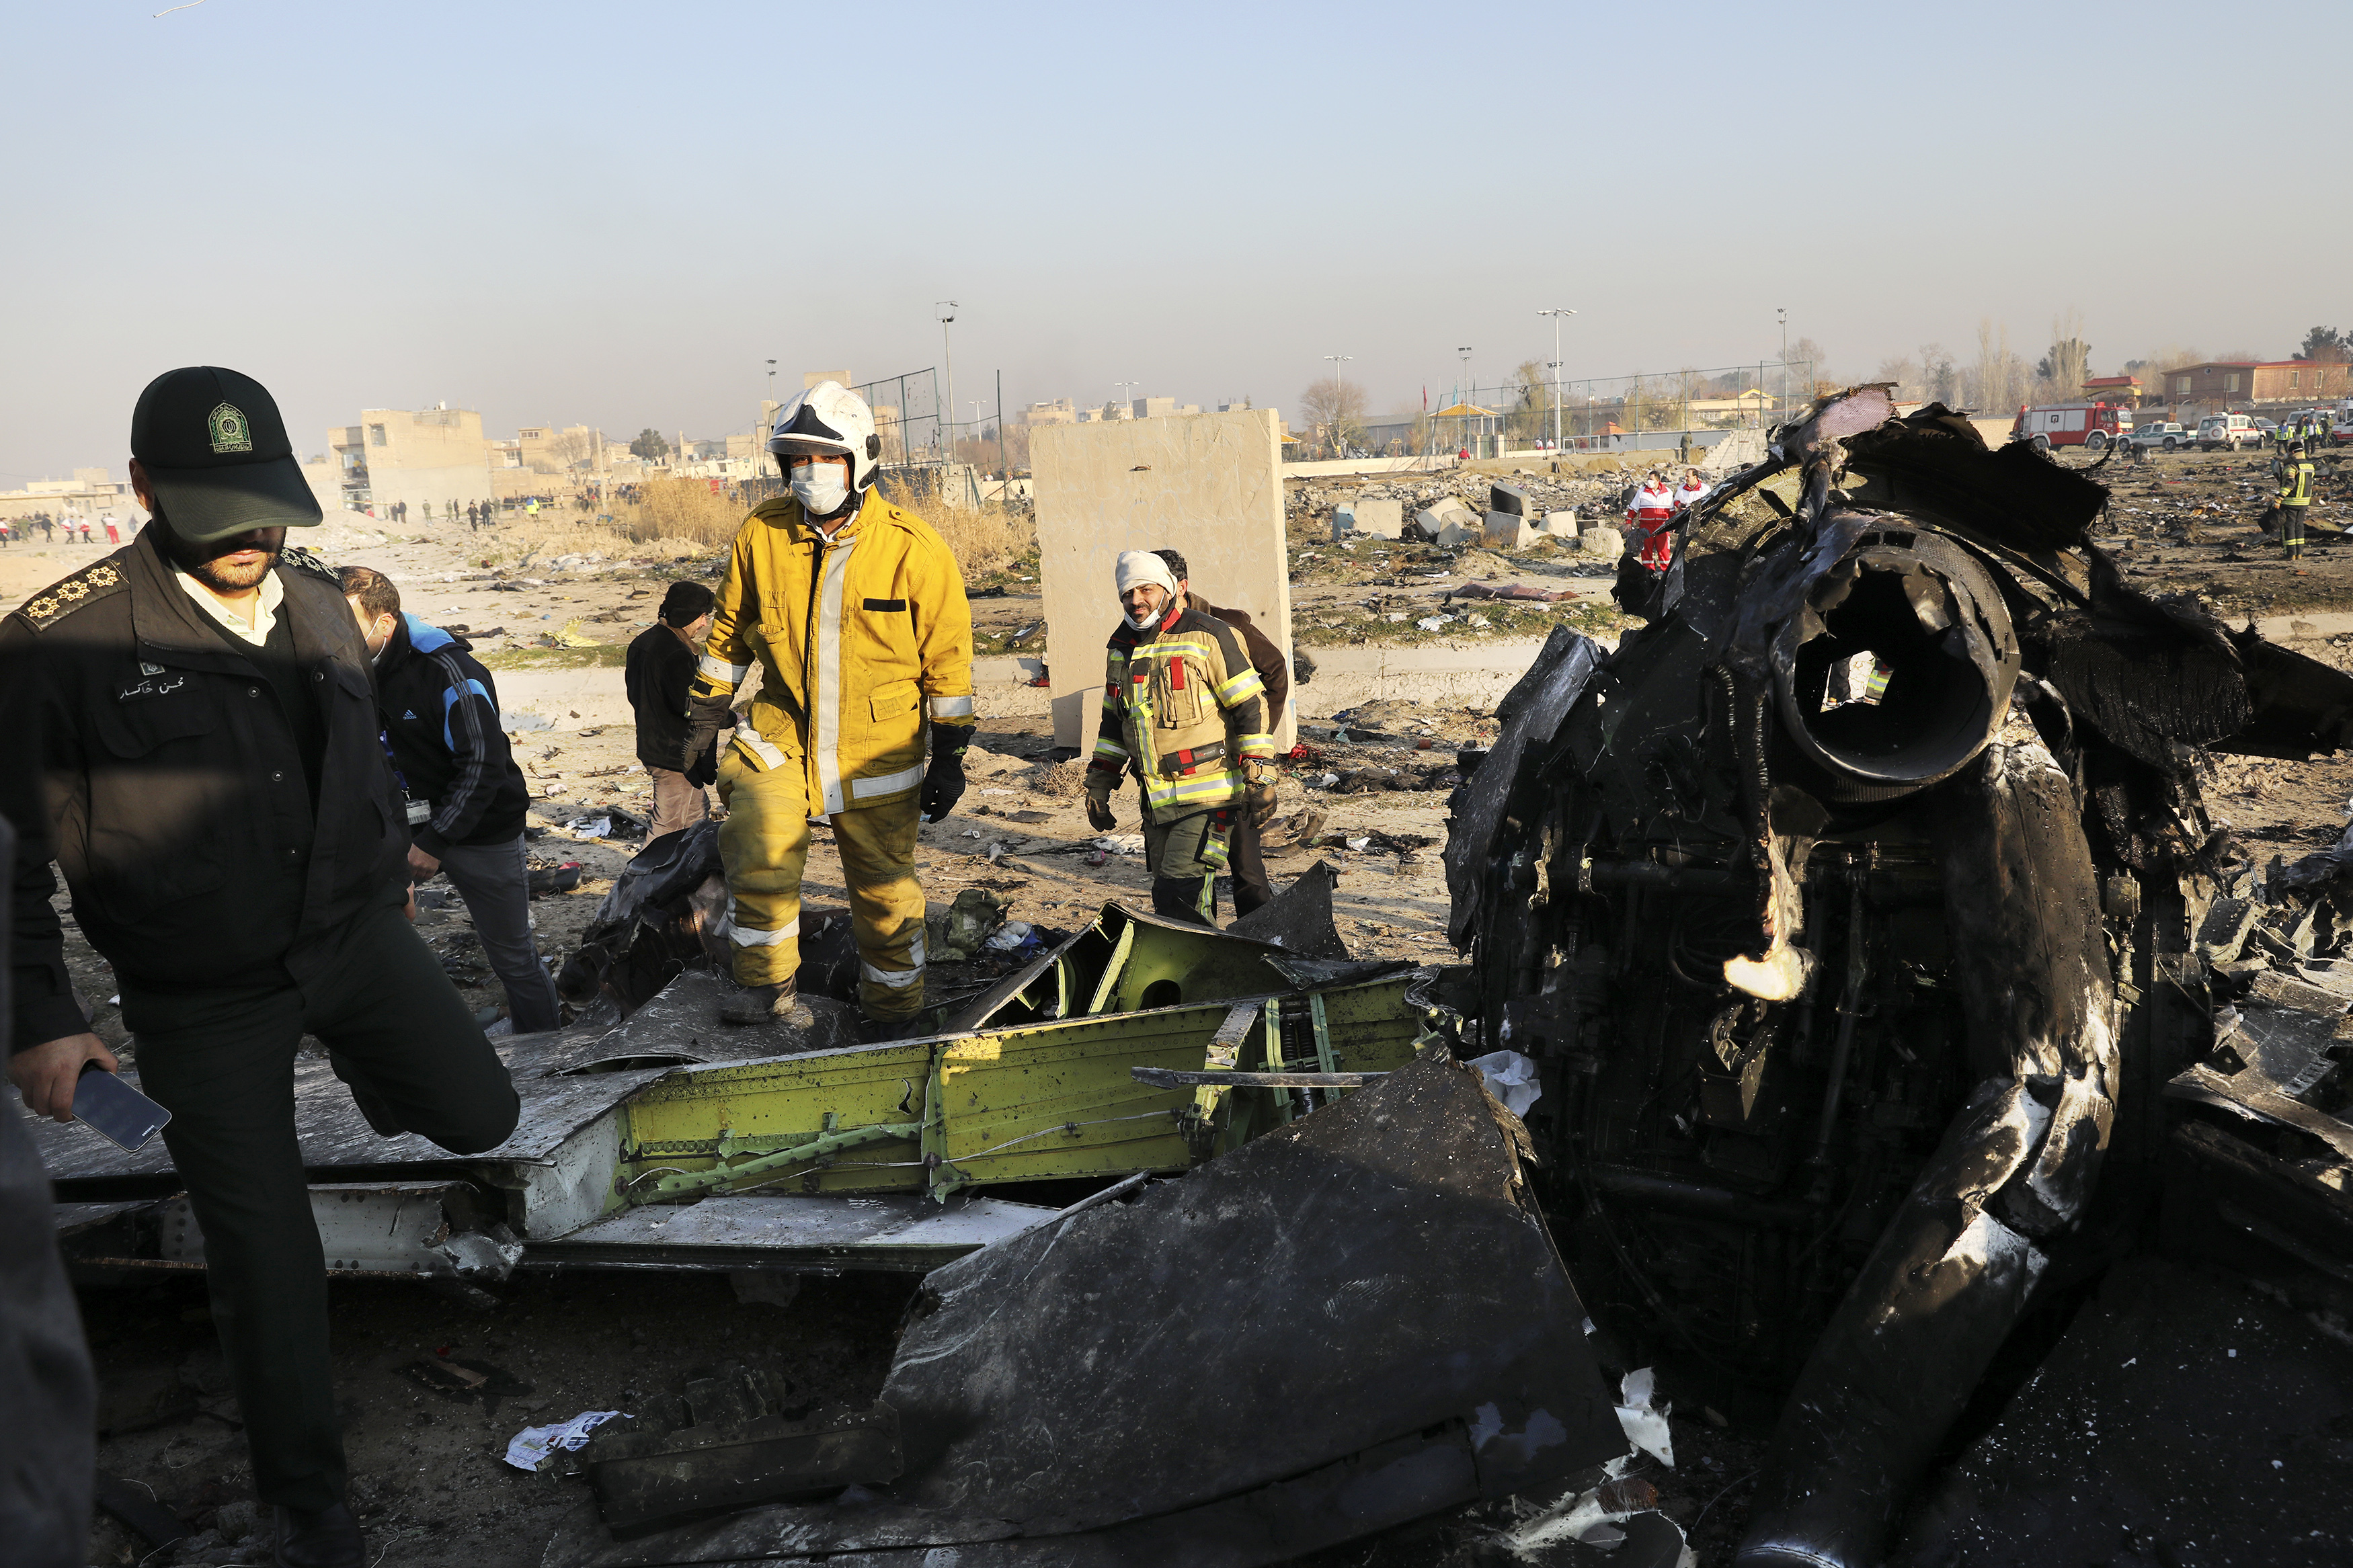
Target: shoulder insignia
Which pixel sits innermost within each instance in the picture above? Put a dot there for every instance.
(85, 587)
(302, 560)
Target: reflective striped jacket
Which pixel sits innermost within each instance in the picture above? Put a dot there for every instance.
(861, 640)
(1183, 708)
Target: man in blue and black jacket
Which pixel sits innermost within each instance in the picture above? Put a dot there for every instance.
(466, 796)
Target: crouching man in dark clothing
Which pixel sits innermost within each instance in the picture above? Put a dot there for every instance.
(465, 796)
(214, 790)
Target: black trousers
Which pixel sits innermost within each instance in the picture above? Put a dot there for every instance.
(222, 1062)
(2292, 529)
(1248, 864)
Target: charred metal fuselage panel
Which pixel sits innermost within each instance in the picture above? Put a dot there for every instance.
(1838, 906)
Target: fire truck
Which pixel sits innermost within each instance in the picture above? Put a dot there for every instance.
(2090, 424)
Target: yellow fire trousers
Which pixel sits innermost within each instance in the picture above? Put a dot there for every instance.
(764, 844)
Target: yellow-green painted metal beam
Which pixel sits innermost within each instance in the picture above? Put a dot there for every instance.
(1035, 1102)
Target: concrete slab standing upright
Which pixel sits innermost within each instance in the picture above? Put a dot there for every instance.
(1208, 485)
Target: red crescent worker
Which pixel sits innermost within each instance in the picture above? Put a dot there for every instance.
(1647, 518)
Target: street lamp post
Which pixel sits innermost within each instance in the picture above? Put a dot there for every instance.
(1784, 315)
(946, 309)
(1556, 313)
(1337, 361)
(1127, 394)
(1466, 392)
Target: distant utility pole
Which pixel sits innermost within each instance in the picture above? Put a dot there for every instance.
(1004, 468)
(1337, 361)
(948, 309)
(1784, 315)
(753, 462)
(1127, 394)
(1556, 312)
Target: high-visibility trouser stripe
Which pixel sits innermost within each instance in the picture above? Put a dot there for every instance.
(1259, 748)
(1247, 684)
(826, 693)
(752, 741)
(889, 784)
(896, 979)
(720, 669)
(1107, 747)
(951, 706)
(742, 936)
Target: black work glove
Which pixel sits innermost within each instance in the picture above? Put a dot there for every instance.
(707, 718)
(705, 770)
(944, 781)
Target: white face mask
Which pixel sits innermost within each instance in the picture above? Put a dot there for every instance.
(820, 489)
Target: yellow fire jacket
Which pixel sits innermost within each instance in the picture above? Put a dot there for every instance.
(1184, 707)
(861, 640)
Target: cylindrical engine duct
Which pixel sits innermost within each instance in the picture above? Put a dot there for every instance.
(1898, 668)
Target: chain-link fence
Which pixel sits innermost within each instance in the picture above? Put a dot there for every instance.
(908, 416)
(1592, 413)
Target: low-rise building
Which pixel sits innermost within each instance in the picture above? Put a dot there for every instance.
(432, 458)
(2238, 383)
(92, 493)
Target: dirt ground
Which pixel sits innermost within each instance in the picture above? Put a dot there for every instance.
(429, 1479)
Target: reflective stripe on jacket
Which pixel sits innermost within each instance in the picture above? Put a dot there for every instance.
(1184, 707)
(2296, 483)
(861, 639)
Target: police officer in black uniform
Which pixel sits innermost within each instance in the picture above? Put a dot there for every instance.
(215, 794)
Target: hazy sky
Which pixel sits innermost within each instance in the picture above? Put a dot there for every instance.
(616, 214)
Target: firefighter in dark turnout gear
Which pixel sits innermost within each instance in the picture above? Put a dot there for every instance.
(2294, 497)
(1186, 712)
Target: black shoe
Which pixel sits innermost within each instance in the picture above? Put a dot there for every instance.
(363, 1095)
(330, 1537)
(768, 1004)
(877, 1030)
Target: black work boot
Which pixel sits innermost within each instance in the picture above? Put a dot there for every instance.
(768, 1004)
(877, 1030)
(363, 1095)
(328, 1537)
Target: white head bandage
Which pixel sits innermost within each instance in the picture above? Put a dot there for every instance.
(1142, 566)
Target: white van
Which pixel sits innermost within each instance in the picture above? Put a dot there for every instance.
(2227, 432)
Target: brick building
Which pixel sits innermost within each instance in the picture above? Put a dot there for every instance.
(2236, 384)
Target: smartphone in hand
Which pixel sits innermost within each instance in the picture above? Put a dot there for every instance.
(115, 1110)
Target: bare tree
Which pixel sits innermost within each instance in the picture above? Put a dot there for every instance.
(569, 448)
(1902, 373)
(1938, 378)
(1808, 370)
(2070, 359)
(1996, 379)
(1338, 404)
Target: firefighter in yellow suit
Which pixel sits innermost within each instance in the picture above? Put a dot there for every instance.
(855, 611)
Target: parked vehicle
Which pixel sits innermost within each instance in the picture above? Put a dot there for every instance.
(2088, 425)
(2166, 437)
(2227, 433)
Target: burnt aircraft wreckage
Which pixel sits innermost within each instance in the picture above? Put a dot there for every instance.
(1858, 987)
(1888, 978)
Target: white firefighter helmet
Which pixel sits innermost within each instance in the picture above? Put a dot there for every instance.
(830, 418)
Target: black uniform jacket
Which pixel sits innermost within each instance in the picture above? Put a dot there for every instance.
(176, 797)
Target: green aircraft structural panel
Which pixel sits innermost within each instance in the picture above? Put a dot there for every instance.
(1039, 1102)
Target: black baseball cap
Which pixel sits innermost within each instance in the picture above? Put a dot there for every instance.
(216, 455)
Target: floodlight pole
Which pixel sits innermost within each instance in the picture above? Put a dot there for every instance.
(946, 309)
(1784, 314)
(1556, 313)
(1337, 361)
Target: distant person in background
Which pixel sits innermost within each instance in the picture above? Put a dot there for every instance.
(1647, 518)
(661, 669)
(111, 536)
(474, 517)
(85, 530)
(440, 713)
